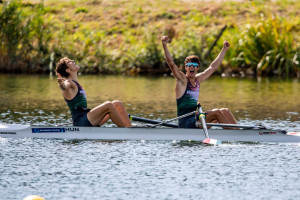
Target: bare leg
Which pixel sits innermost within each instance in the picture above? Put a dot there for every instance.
(212, 117)
(98, 114)
(104, 120)
(217, 115)
(229, 115)
(122, 112)
(214, 121)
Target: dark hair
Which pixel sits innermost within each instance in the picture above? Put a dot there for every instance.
(192, 58)
(62, 66)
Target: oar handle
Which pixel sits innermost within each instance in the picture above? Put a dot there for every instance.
(150, 121)
(198, 105)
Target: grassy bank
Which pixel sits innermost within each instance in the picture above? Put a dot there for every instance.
(124, 36)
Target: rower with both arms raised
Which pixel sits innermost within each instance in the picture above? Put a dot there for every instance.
(188, 87)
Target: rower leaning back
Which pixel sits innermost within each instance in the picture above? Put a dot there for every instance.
(75, 97)
(188, 87)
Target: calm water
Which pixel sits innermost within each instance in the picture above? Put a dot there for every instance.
(58, 169)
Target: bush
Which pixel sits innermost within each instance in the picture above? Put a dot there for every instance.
(24, 38)
(268, 48)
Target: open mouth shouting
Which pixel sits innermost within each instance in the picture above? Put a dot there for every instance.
(192, 71)
(192, 67)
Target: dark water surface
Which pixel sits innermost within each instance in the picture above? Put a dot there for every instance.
(59, 169)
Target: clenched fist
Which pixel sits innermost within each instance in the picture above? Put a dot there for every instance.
(226, 44)
(164, 39)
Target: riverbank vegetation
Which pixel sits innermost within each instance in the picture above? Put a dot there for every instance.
(123, 37)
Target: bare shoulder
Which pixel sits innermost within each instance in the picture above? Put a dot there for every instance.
(200, 77)
(68, 85)
(181, 86)
(71, 82)
(181, 78)
(70, 90)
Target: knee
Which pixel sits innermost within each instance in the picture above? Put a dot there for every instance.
(108, 105)
(117, 103)
(216, 112)
(225, 110)
(107, 102)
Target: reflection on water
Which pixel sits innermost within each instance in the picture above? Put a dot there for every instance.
(38, 100)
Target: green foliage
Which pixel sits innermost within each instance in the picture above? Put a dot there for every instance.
(124, 36)
(189, 44)
(151, 52)
(268, 48)
(197, 17)
(166, 15)
(81, 10)
(13, 29)
(23, 38)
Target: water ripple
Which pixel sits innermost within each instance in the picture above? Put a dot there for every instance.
(58, 169)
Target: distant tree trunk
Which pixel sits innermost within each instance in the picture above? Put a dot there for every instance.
(215, 42)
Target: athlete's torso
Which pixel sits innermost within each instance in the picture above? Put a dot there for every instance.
(79, 102)
(188, 101)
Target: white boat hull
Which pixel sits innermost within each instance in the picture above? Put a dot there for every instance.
(102, 133)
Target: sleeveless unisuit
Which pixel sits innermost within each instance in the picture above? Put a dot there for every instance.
(188, 103)
(78, 107)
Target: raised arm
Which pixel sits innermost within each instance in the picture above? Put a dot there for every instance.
(175, 70)
(214, 65)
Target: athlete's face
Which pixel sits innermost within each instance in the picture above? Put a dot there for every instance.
(191, 69)
(72, 66)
